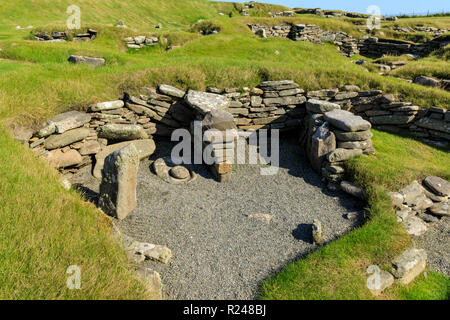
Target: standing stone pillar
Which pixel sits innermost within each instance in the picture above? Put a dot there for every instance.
(119, 180)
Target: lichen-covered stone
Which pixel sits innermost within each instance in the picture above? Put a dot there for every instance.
(119, 181)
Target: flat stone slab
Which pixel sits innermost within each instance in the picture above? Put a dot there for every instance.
(122, 132)
(95, 62)
(108, 105)
(347, 121)
(61, 140)
(353, 136)
(67, 121)
(171, 91)
(438, 185)
(320, 106)
(145, 149)
(204, 102)
(392, 119)
(433, 124)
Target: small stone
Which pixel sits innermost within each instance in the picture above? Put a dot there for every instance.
(415, 226)
(343, 154)
(317, 232)
(353, 190)
(171, 91)
(109, 105)
(155, 252)
(266, 218)
(90, 147)
(180, 172)
(95, 62)
(441, 209)
(409, 265)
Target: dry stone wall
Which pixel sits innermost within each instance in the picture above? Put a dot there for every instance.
(62, 36)
(347, 45)
(334, 123)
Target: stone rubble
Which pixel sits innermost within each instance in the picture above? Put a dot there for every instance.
(62, 36)
(139, 42)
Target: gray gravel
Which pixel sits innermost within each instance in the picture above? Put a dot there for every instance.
(218, 251)
(435, 242)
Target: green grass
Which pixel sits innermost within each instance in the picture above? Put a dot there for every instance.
(37, 215)
(337, 271)
(44, 229)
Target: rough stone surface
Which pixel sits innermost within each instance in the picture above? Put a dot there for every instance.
(69, 120)
(409, 265)
(353, 136)
(152, 282)
(320, 106)
(218, 119)
(119, 180)
(441, 209)
(204, 102)
(59, 159)
(353, 190)
(415, 226)
(95, 62)
(438, 185)
(144, 147)
(343, 154)
(66, 138)
(171, 91)
(122, 132)
(108, 105)
(347, 121)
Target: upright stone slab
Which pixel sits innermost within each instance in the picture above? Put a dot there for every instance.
(322, 143)
(119, 180)
(409, 265)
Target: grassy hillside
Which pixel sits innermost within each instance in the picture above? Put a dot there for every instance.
(37, 82)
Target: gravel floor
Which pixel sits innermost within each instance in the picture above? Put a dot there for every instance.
(219, 252)
(436, 242)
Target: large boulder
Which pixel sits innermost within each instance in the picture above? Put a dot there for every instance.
(204, 102)
(61, 140)
(346, 121)
(409, 265)
(119, 181)
(122, 132)
(145, 149)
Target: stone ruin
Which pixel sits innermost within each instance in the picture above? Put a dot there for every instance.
(333, 126)
(347, 45)
(62, 36)
(140, 42)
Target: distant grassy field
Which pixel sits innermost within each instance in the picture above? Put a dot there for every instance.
(38, 82)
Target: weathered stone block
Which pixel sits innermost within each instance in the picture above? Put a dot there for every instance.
(119, 180)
